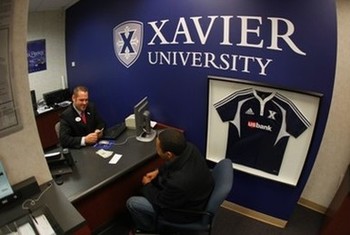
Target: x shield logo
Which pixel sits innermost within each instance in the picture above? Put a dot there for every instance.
(127, 40)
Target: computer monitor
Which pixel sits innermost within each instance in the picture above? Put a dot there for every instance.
(144, 132)
(55, 97)
(33, 97)
(5, 187)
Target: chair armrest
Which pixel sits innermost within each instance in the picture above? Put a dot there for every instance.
(188, 212)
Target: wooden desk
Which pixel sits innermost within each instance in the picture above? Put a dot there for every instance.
(99, 190)
(338, 213)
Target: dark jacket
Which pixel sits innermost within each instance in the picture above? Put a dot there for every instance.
(182, 183)
(72, 129)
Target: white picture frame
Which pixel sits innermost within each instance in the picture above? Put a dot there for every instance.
(297, 148)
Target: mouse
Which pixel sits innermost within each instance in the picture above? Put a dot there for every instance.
(59, 180)
(103, 142)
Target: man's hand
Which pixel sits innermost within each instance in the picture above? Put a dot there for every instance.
(91, 138)
(99, 132)
(149, 176)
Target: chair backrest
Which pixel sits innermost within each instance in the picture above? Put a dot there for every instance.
(223, 178)
(57, 129)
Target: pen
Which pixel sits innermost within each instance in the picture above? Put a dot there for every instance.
(99, 130)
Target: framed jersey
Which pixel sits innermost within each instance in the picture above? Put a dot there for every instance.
(265, 131)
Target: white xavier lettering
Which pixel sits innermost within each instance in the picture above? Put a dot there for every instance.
(245, 31)
(203, 38)
(158, 32)
(249, 34)
(182, 29)
(285, 37)
(226, 30)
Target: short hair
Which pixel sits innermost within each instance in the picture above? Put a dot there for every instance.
(79, 88)
(172, 140)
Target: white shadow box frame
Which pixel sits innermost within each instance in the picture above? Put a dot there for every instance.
(297, 148)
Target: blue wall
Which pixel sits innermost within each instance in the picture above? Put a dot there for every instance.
(178, 91)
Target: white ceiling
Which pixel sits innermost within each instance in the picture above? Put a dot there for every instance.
(50, 5)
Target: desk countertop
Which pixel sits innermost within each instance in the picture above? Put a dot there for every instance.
(92, 172)
(66, 216)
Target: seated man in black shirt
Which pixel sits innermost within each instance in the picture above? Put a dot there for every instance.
(183, 182)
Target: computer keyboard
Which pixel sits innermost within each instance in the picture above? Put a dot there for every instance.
(113, 132)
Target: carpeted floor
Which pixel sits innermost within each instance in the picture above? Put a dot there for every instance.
(303, 222)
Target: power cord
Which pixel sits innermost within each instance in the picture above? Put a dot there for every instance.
(125, 141)
(34, 201)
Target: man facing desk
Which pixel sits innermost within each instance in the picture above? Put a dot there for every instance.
(182, 182)
(80, 124)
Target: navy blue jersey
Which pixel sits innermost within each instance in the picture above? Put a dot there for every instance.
(260, 124)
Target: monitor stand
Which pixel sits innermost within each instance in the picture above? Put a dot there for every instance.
(147, 137)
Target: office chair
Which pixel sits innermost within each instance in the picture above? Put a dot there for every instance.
(57, 129)
(223, 178)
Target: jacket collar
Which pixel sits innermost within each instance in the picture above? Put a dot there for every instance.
(180, 160)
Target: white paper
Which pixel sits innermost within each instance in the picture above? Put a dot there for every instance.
(43, 225)
(26, 229)
(104, 153)
(44, 109)
(115, 158)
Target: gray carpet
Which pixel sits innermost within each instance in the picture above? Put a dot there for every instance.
(303, 222)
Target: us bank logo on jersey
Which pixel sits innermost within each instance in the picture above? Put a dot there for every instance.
(127, 40)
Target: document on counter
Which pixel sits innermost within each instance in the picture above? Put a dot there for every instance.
(44, 109)
(26, 229)
(104, 153)
(115, 158)
(43, 225)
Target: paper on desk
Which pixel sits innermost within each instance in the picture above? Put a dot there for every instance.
(43, 109)
(115, 158)
(43, 225)
(25, 229)
(104, 153)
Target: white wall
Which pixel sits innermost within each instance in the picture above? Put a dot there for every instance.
(334, 154)
(21, 152)
(49, 25)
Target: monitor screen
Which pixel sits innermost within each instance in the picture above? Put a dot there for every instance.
(144, 132)
(5, 187)
(55, 97)
(65, 95)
